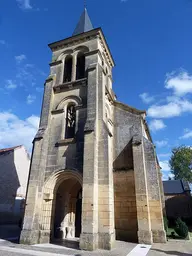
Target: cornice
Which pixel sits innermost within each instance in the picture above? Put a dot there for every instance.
(54, 63)
(70, 41)
(70, 85)
(84, 37)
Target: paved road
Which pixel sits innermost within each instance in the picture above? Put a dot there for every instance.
(9, 249)
(173, 248)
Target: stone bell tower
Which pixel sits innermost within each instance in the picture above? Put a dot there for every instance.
(72, 150)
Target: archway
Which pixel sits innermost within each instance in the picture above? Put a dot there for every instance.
(61, 209)
(67, 219)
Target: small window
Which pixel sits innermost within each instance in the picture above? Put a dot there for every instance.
(68, 69)
(70, 122)
(80, 72)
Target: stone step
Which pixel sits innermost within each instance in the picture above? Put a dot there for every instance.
(70, 243)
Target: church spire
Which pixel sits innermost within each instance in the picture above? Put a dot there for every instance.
(84, 24)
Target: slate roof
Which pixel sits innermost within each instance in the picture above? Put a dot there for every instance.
(84, 24)
(175, 187)
(6, 150)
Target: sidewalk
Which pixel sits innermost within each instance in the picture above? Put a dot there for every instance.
(173, 248)
(6, 248)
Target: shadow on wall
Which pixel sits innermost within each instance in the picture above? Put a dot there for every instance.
(124, 196)
(174, 253)
(10, 220)
(179, 206)
(124, 160)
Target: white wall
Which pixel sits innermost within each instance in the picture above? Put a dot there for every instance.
(22, 164)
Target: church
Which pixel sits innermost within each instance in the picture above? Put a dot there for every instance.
(94, 174)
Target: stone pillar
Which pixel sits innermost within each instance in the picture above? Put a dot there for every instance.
(89, 235)
(31, 233)
(161, 191)
(141, 190)
(154, 193)
(105, 173)
(74, 67)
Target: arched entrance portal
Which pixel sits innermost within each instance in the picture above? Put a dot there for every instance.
(62, 205)
(67, 216)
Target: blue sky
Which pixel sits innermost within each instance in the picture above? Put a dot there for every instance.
(151, 42)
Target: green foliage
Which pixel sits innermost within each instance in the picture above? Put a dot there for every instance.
(181, 228)
(165, 223)
(181, 163)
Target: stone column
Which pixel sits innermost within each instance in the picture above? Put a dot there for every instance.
(105, 173)
(74, 67)
(161, 191)
(31, 233)
(154, 194)
(141, 190)
(89, 235)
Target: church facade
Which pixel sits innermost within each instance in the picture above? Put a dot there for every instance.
(94, 173)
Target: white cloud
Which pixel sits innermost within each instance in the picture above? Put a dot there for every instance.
(156, 125)
(171, 109)
(187, 134)
(161, 143)
(10, 84)
(146, 98)
(31, 99)
(24, 4)
(164, 111)
(33, 120)
(20, 58)
(15, 131)
(2, 42)
(164, 166)
(180, 83)
(175, 104)
(167, 175)
(171, 175)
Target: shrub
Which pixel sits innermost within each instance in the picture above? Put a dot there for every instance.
(165, 223)
(181, 228)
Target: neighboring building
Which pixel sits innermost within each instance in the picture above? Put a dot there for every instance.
(94, 172)
(178, 200)
(14, 171)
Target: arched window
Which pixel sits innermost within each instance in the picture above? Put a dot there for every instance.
(68, 69)
(80, 71)
(70, 122)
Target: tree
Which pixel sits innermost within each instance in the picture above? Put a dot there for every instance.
(181, 163)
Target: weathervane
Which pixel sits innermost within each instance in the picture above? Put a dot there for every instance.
(85, 4)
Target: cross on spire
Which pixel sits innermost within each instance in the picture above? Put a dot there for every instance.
(85, 4)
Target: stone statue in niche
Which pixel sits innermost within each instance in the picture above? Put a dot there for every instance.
(71, 116)
(71, 121)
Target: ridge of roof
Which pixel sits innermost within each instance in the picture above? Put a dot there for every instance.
(4, 150)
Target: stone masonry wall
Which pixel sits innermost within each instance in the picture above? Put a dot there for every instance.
(125, 206)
